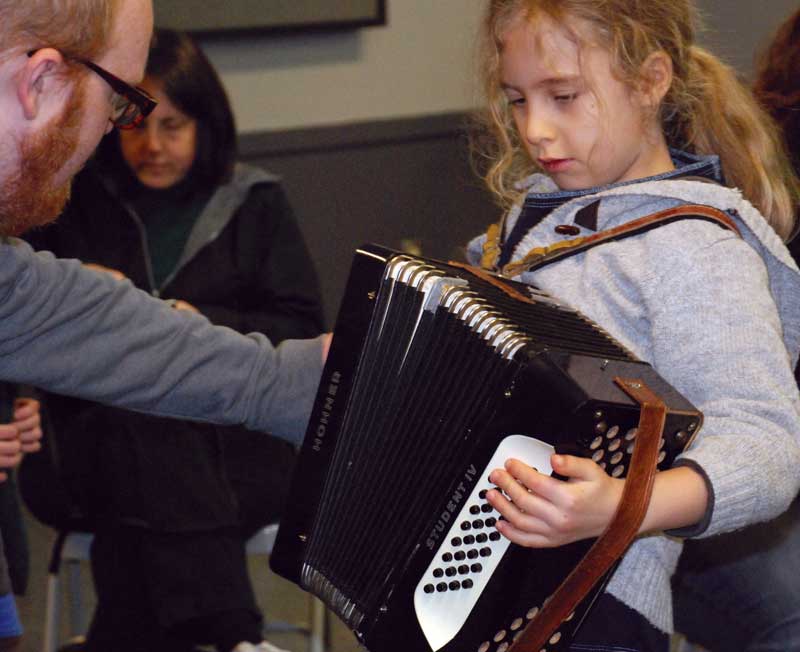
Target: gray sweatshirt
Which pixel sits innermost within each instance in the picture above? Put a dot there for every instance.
(74, 331)
(718, 316)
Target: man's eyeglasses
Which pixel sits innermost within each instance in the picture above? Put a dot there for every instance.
(131, 105)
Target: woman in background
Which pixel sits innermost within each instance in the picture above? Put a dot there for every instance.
(166, 206)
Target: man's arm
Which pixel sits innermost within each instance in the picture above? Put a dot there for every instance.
(78, 332)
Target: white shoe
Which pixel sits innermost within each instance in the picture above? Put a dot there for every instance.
(264, 646)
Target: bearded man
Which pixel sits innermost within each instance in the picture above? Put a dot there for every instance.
(67, 75)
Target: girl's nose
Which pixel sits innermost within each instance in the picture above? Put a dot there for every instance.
(538, 128)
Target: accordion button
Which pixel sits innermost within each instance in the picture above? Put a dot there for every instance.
(494, 536)
(481, 538)
(472, 554)
(466, 525)
(476, 568)
(469, 540)
(567, 229)
(474, 509)
(438, 572)
(460, 555)
(467, 584)
(441, 587)
(486, 552)
(450, 571)
(454, 586)
(456, 541)
(447, 557)
(463, 569)
(429, 588)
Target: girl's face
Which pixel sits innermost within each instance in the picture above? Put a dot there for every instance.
(161, 150)
(583, 127)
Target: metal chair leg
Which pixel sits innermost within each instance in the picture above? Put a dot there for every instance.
(318, 634)
(76, 613)
(52, 612)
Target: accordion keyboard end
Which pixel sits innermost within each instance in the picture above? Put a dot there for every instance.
(470, 550)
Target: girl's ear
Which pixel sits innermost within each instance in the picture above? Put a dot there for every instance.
(656, 76)
(38, 82)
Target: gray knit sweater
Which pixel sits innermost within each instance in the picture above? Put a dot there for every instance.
(81, 333)
(718, 316)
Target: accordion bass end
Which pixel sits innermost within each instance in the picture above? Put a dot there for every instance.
(437, 374)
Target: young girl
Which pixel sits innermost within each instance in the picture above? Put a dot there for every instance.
(601, 112)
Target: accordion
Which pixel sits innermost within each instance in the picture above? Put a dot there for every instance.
(436, 375)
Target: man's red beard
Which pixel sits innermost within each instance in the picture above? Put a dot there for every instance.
(28, 198)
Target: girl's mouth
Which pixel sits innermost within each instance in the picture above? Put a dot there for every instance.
(554, 164)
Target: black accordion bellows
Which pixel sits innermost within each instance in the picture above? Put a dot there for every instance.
(436, 375)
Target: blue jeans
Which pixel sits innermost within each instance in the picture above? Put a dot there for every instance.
(741, 591)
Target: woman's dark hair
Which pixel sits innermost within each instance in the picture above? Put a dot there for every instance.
(777, 83)
(193, 86)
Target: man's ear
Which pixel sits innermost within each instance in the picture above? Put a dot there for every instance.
(39, 81)
(656, 76)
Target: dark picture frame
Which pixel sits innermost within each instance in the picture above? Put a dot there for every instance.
(232, 17)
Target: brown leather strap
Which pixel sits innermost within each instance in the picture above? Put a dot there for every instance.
(494, 280)
(540, 256)
(622, 530)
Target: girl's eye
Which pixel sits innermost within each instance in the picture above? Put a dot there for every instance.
(565, 98)
(516, 101)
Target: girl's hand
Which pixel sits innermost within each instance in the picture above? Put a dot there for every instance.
(544, 512)
(27, 419)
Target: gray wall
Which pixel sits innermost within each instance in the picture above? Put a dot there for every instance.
(738, 29)
(399, 183)
(417, 64)
(420, 63)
